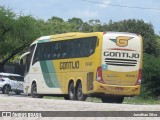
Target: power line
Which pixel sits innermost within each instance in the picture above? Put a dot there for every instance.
(122, 5)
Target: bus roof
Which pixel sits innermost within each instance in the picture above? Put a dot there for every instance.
(64, 36)
(126, 33)
(71, 35)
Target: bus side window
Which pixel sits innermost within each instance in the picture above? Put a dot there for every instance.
(65, 49)
(57, 51)
(70, 49)
(38, 56)
(52, 50)
(90, 44)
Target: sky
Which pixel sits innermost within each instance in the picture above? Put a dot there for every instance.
(65, 9)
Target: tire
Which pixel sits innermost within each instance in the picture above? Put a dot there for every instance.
(80, 95)
(34, 91)
(72, 91)
(112, 99)
(107, 100)
(120, 100)
(6, 89)
(66, 97)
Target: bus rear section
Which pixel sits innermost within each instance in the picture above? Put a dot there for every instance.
(120, 72)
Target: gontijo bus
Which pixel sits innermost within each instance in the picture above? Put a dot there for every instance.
(76, 65)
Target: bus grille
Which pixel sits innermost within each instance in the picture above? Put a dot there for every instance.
(120, 62)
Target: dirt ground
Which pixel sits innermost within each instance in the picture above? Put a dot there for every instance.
(26, 103)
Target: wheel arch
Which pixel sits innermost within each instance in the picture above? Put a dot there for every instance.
(33, 82)
(7, 85)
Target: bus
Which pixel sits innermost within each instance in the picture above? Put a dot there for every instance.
(107, 65)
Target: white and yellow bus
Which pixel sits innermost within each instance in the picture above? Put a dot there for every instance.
(76, 65)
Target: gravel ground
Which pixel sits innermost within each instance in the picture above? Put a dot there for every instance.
(26, 103)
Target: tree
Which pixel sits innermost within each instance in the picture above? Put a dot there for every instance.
(75, 24)
(16, 33)
(55, 19)
(151, 76)
(56, 25)
(7, 22)
(158, 45)
(86, 27)
(96, 25)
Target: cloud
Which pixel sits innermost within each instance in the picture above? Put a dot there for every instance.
(105, 4)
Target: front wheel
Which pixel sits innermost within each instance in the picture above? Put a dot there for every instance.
(34, 91)
(80, 95)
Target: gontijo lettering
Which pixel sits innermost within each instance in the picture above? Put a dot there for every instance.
(121, 54)
(69, 65)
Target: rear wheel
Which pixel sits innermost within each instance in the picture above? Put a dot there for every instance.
(112, 99)
(80, 95)
(6, 89)
(66, 97)
(120, 99)
(72, 91)
(34, 91)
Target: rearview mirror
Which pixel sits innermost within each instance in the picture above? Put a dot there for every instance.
(21, 62)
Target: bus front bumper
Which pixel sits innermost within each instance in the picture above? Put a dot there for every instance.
(116, 89)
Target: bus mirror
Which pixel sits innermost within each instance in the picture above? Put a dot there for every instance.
(21, 62)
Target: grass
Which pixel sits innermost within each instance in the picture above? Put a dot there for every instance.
(127, 100)
(89, 99)
(140, 100)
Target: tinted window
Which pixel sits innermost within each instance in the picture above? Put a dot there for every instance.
(28, 58)
(75, 48)
(16, 78)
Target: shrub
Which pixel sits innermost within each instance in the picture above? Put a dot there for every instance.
(151, 76)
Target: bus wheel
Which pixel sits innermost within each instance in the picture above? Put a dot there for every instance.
(71, 91)
(66, 97)
(34, 91)
(111, 99)
(80, 95)
(119, 99)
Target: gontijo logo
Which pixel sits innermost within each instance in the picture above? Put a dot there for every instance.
(121, 41)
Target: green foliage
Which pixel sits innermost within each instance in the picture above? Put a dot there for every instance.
(75, 24)
(151, 76)
(141, 100)
(7, 21)
(55, 25)
(86, 27)
(158, 45)
(15, 32)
